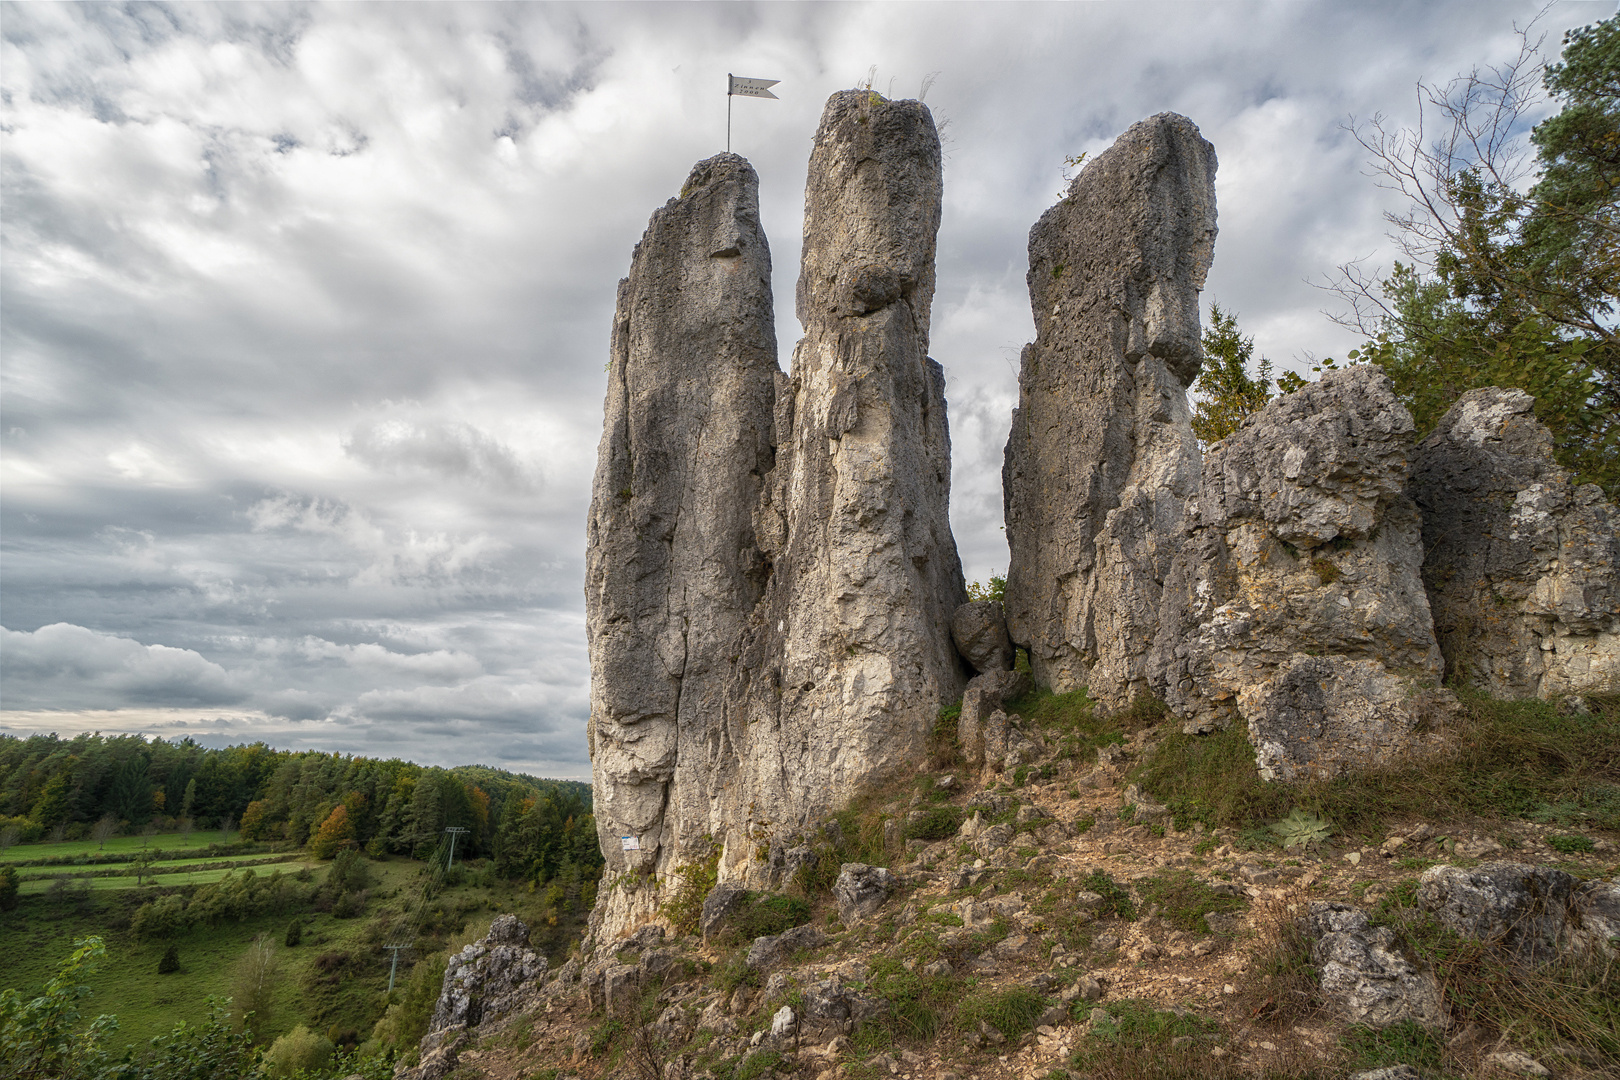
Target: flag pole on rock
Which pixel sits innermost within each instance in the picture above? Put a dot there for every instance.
(740, 87)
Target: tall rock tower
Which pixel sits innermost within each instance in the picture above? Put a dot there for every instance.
(1101, 457)
(673, 568)
(771, 573)
(849, 657)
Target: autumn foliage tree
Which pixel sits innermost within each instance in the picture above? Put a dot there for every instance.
(335, 833)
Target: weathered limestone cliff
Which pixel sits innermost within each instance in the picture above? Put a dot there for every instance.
(849, 657)
(1522, 566)
(1101, 456)
(1296, 600)
(672, 566)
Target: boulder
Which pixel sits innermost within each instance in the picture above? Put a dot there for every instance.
(860, 890)
(1363, 976)
(979, 629)
(1101, 455)
(1522, 565)
(673, 568)
(1296, 600)
(832, 1009)
(769, 952)
(722, 902)
(1534, 913)
(985, 695)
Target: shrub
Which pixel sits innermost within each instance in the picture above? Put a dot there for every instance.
(299, 1049)
(405, 1021)
(163, 917)
(170, 962)
(685, 908)
(940, 823)
(1116, 900)
(1011, 1011)
(295, 934)
(37, 1036)
(769, 913)
(8, 888)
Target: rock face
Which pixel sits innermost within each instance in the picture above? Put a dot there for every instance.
(1296, 600)
(1522, 567)
(489, 977)
(860, 890)
(848, 658)
(1101, 455)
(672, 564)
(482, 983)
(770, 573)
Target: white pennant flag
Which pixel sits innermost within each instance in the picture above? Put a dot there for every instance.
(741, 87)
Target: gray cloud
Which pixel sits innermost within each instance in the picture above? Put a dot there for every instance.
(71, 666)
(306, 306)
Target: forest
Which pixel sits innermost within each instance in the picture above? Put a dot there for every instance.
(96, 787)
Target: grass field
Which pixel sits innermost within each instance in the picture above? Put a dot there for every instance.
(166, 874)
(114, 845)
(334, 980)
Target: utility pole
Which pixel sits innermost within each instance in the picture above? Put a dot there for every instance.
(394, 966)
(454, 831)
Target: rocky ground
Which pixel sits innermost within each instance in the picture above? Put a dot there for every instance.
(1066, 914)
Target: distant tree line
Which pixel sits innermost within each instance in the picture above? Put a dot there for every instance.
(92, 785)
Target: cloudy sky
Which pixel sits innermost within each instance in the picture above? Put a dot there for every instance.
(305, 308)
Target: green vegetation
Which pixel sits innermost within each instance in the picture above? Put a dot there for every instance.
(95, 795)
(765, 914)
(1117, 903)
(1301, 828)
(1505, 760)
(1515, 283)
(1225, 392)
(1570, 844)
(1011, 1010)
(1406, 1043)
(1572, 1002)
(1183, 899)
(996, 590)
(290, 938)
(1136, 1040)
(938, 823)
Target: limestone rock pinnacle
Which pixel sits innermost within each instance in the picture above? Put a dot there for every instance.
(1101, 455)
(849, 657)
(672, 564)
